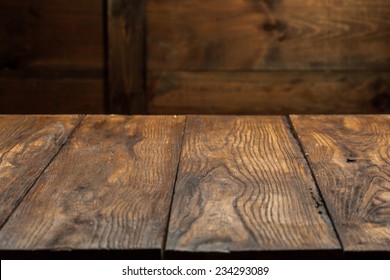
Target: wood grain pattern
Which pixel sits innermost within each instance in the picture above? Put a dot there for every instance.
(350, 157)
(109, 188)
(126, 33)
(268, 34)
(268, 92)
(244, 186)
(27, 145)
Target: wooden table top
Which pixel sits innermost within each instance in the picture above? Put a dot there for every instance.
(190, 186)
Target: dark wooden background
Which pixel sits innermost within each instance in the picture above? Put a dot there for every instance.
(51, 56)
(195, 56)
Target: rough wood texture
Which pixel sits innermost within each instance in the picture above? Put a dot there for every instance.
(44, 38)
(268, 92)
(109, 188)
(350, 157)
(126, 33)
(268, 34)
(244, 186)
(27, 145)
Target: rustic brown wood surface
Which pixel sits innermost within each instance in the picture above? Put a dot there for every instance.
(127, 51)
(267, 34)
(243, 185)
(298, 92)
(237, 184)
(110, 187)
(27, 145)
(57, 42)
(350, 157)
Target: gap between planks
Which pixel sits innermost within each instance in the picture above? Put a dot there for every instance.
(173, 192)
(317, 196)
(322, 201)
(163, 248)
(19, 202)
(180, 190)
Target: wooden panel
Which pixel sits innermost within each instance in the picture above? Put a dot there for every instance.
(351, 161)
(268, 34)
(27, 145)
(126, 33)
(244, 186)
(51, 33)
(109, 188)
(44, 38)
(268, 92)
(51, 96)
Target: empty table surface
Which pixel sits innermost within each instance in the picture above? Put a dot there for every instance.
(187, 185)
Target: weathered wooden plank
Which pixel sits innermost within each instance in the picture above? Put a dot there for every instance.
(126, 33)
(45, 95)
(268, 34)
(351, 162)
(268, 92)
(27, 145)
(243, 185)
(109, 188)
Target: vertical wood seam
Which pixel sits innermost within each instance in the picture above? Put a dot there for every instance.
(294, 133)
(20, 200)
(165, 238)
(126, 56)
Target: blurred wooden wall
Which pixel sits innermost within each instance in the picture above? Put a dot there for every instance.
(200, 56)
(268, 56)
(51, 56)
